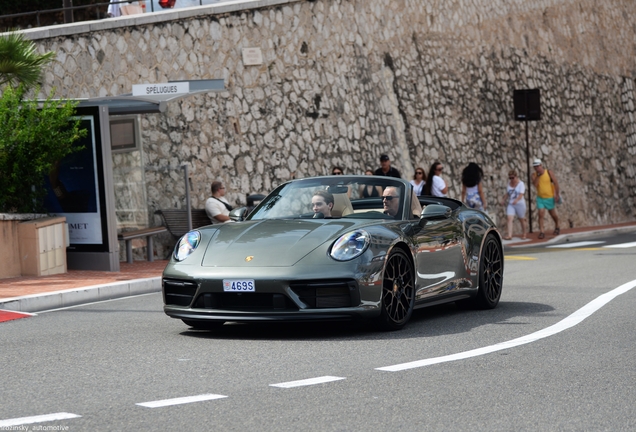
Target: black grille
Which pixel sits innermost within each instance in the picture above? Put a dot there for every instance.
(244, 302)
(178, 293)
(327, 294)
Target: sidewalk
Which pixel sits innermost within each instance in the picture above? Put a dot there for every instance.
(35, 294)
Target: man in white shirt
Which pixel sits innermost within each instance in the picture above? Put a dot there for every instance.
(217, 207)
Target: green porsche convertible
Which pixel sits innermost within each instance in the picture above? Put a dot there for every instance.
(335, 248)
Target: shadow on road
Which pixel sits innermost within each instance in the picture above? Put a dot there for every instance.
(427, 322)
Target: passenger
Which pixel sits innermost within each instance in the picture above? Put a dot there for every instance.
(368, 191)
(321, 204)
(391, 200)
(337, 171)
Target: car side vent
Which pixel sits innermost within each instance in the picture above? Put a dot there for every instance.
(178, 293)
(327, 294)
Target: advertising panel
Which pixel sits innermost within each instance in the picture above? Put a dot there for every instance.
(76, 189)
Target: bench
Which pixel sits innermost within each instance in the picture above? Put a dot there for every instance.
(176, 220)
(128, 237)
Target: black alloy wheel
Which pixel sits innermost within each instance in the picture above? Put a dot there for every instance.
(398, 291)
(490, 274)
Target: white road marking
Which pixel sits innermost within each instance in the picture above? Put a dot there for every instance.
(307, 382)
(37, 419)
(180, 401)
(564, 324)
(622, 245)
(576, 244)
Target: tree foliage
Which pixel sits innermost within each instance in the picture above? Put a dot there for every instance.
(20, 62)
(33, 138)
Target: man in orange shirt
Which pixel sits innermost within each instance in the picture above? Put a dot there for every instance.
(547, 195)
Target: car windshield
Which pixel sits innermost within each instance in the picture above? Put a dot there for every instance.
(368, 197)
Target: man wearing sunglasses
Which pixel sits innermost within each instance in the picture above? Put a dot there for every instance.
(391, 201)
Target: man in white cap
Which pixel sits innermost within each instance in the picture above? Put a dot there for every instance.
(548, 195)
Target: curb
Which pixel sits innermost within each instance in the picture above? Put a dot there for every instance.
(78, 296)
(577, 235)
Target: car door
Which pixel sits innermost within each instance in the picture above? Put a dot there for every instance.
(439, 256)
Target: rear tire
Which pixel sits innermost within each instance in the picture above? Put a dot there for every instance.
(398, 291)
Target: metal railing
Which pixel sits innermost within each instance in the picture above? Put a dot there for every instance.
(97, 6)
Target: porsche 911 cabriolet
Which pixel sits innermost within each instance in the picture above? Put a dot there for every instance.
(335, 248)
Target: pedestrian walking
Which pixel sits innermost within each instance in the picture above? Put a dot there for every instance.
(472, 191)
(435, 184)
(548, 194)
(515, 203)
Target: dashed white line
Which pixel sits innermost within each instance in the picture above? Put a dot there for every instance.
(564, 324)
(180, 401)
(622, 245)
(307, 382)
(576, 244)
(37, 419)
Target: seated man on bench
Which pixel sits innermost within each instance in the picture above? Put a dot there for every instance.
(217, 207)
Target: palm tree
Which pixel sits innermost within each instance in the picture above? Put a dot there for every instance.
(20, 63)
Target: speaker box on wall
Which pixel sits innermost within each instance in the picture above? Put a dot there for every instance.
(527, 104)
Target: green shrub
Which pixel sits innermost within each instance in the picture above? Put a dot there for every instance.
(33, 137)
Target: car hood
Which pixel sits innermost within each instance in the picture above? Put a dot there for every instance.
(271, 243)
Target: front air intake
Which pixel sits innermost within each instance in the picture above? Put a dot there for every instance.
(327, 294)
(178, 293)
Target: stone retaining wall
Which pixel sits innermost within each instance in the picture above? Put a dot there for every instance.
(343, 81)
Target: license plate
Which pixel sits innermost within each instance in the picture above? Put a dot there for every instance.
(239, 285)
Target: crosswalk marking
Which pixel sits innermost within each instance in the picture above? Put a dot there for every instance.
(7, 424)
(306, 382)
(181, 400)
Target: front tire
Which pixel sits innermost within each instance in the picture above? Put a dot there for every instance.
(490, 276)
(398, 291)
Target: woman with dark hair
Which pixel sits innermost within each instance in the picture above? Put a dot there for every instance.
(418, 181)
(472, 192)
(435, 184)
(369, 191)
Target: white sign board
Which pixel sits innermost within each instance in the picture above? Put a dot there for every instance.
(160, 89)
(252, 56)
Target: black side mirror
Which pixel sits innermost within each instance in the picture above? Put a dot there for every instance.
(434, 212)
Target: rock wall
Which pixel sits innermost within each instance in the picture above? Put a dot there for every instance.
(343, 81)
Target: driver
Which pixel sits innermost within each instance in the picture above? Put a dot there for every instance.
(322, 202)
(391, 200)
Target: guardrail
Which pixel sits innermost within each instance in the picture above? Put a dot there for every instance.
(100, 13)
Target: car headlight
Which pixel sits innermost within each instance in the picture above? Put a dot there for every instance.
(350, 245)
(187, 244)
